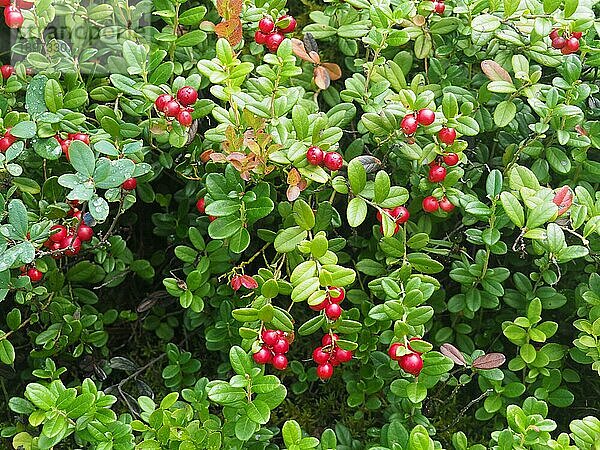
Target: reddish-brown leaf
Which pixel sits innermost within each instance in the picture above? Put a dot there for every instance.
(563, 199)
(292, 193)
(294, 177)
(453, 353)
(236, 282)
(315, 57)
(249, 282)
(489, 361)
(228, 9)
(231, 30)
(495, 71)
(300, 51)
(335, 73)
(321, 77)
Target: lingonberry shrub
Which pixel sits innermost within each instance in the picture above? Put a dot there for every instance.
(250, 225)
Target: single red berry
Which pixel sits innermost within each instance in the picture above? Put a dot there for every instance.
(58, 236)
(185, 117)
(437, 174)
(13, 17)
(559, 42)
(129, 184)
(396, 228)
(333, 161)
(7, 71)
(172, 109)
(4, 3)
(315, 156)
(72, 244)
(263, 356)
(266, 25)
(425, 116)
(260, 37)
(446, 205)
(200, 205)
(553, 34)
(327, 340)
(430, 204)
(439, 7)
(320, 356)
(447, 135)
(187, 95)
(212, 218)
(162, 100)
(572, 44)
(411, 363)
(34, 275)
(281, 346)
(83, 137)
(577, 34)
(409, 124)
(320, 306)
(85, 233)
(393, 350)
(343, 355)
(336, 294)
(325, 371)
(269, 337)
(451, 159)
(333, 311)
(5, 143)
(401, 214)
(280, 362)
(273, 41)
(291, 26)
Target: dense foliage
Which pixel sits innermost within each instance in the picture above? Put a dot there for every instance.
(343, 224)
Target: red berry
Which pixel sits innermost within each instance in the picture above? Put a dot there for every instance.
(269, 337)
(333, 161)
(559, 42)
(401, 214)
(411, 363)
(200, 205)
(172, 109)
(273, 41)
(185, 117)
(5, 143)
(336, 294)
(447, 135)
(320, 356)
(72, 244)
(13, 17)
(7, 71)
(85, 138)
(343, 355)
(430, 204)
(162, 100)
(281, 346)
(129, 184)
(333, 311)
(187, 95)
(280, 362)
(260, 37)
(446, 205)
(553, 34)
(425, 116)
(263, 356)
(291, 26)
(320, 306)
(437, 174)
(577, 34)
(266, 25)
(212, 218)
(34, 274)
(409, 124)
(315, 156)
(58, 236)
(393, 350)
(572, 44)
(326, 340)
(324, 371)
(439, 7)
(451, 159)
(85, 233)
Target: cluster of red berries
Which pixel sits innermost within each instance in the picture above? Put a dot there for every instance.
(411, 361)
(201, 207)
(6, 141)
(33, 273)
(68, 240)
(411, 122)
(567, 44)
(7, 70)
(331, 304)
(437, 172)
(329, 355)
(13, 17)
(179, 108)
(439, 6)
(432, 204)
(317, 157)
(400, 215)
(275, 345)
(271, 34)
(66, 143)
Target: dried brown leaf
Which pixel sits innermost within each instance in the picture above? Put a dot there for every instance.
(453, 353)
(321, 77)
(489, 361)
(335, 73)
(494, 71)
